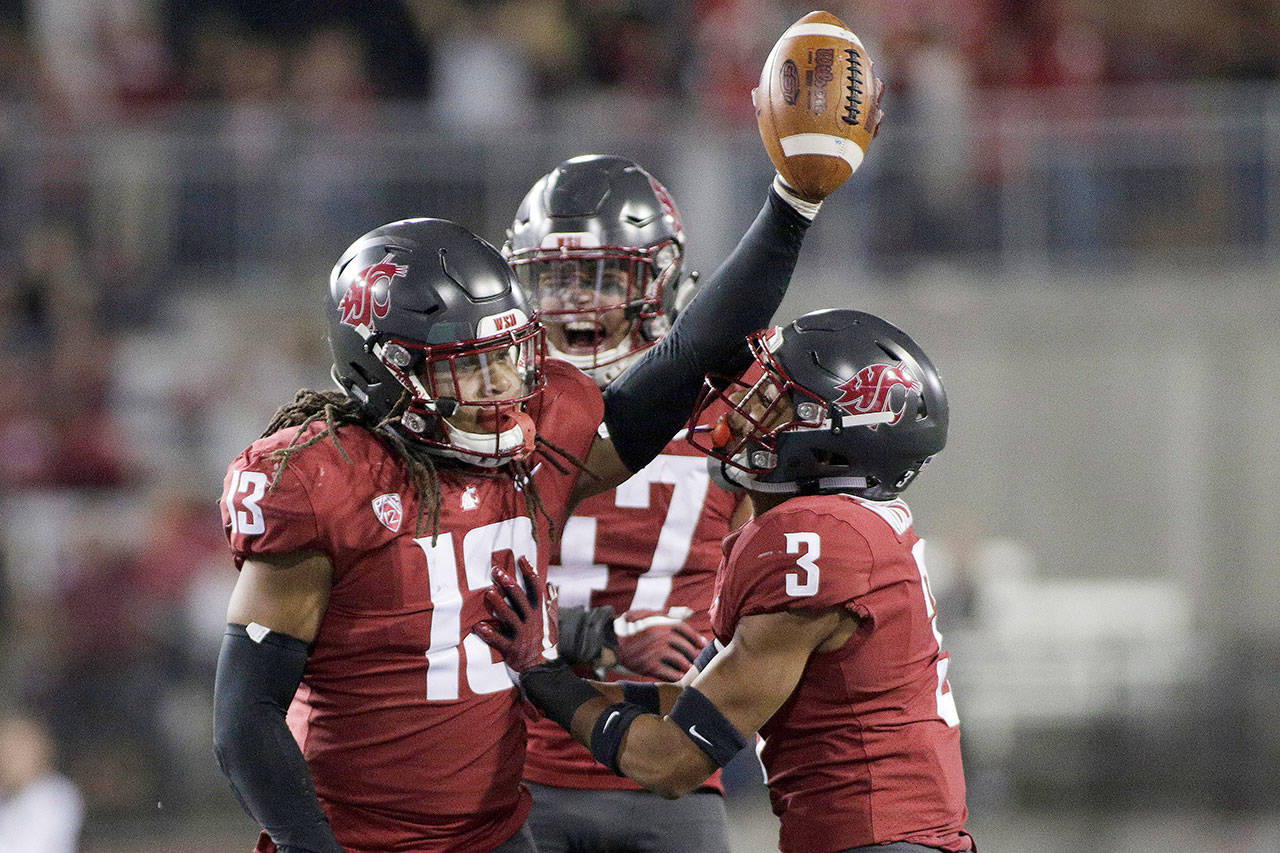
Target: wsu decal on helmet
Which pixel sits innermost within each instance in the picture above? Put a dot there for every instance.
(871, 390)
(369, 295)
(389, 510)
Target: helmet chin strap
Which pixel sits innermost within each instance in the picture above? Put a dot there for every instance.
(737, 479)
(519, 437)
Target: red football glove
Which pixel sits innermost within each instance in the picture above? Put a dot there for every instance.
(656, 643)
(523, 624)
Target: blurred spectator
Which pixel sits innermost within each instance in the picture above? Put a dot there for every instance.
(56, 426)
(40, 809)
(1249, 48)
(731, 39)
(395, 55)
(482, 79)
(338, 114)
(105, 675)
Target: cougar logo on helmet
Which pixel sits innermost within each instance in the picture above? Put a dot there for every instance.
(369, 295)
(871, 390)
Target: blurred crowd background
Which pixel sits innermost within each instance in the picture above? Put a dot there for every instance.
(1074, 206)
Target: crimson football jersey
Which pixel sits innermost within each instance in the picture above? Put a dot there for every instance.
(650, 544)
(866, 750)
(409, 722)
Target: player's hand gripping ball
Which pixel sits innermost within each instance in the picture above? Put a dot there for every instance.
(818, 104)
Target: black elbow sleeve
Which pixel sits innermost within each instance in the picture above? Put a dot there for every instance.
(255, 682)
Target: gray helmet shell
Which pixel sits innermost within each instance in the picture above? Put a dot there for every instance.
(406, 289)
(604, 207)
(882, 407)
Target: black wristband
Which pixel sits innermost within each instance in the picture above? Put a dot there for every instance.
(642, 693)
(556, 691)
(606, 735)
(584, 634)
(709, 651)
(709, 729)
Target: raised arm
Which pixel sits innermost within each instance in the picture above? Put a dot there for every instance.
(651, 401)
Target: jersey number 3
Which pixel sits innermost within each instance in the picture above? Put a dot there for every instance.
(808, 546)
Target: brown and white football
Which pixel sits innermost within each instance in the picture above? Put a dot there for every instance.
(816, 104)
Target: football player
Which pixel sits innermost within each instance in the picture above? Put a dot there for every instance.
(598, 245)
(354, 710)
(826, 641)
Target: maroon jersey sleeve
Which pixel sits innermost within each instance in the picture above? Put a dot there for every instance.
(265, 514)
(796, 556)
(568, 415)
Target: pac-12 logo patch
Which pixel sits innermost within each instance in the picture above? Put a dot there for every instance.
(389, 510)
(871, 390)
(369, 294)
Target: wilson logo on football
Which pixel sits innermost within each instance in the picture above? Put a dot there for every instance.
(369, 295)
(819, 77)
(871, 390)
(389, 510)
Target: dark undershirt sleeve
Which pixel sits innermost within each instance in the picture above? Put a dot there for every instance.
(254, 685)
(650, 402)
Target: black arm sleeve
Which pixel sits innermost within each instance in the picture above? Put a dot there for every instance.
(254, 685)
(652, 400)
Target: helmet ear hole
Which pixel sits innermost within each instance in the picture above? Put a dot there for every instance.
(364, 375)
(829, 458)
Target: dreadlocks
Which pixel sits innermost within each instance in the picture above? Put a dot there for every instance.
(337, 410)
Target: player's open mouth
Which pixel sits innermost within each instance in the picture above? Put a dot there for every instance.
(583, 335)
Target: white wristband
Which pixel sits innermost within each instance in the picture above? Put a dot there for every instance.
(807, 209)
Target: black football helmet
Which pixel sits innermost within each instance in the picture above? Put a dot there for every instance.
(598, 244)
(426, 324)
(837, 401)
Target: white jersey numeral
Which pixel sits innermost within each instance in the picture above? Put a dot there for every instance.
(946, 699)
(447, 644)
(808, 560)
(246, 489)
(579, 574)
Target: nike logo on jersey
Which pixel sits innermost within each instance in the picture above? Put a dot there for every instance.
(693, 732)
(609, 721)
